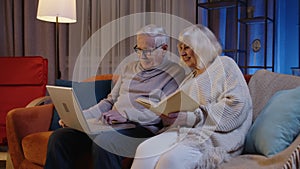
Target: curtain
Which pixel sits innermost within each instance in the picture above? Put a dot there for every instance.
(102, 40)
(98, 43)
(21, 34)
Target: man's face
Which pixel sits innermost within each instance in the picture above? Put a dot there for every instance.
(149, 55)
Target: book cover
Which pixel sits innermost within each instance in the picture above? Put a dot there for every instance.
(177, 101)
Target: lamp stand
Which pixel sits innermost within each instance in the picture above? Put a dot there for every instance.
(57, 67)
(49, 11)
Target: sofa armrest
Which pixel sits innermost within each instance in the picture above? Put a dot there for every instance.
(287, 154)
(294, 160)
(39, 101)
(21, 122)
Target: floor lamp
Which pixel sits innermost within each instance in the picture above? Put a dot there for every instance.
(57, 11)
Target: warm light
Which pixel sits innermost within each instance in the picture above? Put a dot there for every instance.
(64, 10)
(58, 11)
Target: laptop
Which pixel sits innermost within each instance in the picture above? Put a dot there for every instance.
(70, 111)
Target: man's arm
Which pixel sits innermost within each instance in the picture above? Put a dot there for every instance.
(105, 104)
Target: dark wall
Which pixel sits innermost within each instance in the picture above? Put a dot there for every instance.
(287, 36)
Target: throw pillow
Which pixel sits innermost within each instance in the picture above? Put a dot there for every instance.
(88, 94)
(277, 125)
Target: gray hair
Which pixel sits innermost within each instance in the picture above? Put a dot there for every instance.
(155, 31)
(203, 42)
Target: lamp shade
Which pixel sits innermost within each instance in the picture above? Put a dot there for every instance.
(64, 10)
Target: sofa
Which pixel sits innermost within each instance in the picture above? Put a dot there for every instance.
(28, 140)
(29, 128)
(273, 141)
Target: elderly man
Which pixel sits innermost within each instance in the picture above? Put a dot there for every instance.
(152, 76)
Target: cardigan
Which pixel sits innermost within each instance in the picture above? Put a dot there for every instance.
(225, 112)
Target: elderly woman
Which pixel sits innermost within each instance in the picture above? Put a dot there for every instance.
(216, 130)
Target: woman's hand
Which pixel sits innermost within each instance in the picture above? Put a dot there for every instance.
(113, 116)
(174, 119)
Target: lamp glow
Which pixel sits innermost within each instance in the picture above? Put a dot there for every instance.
(64, 10)
(58, 11)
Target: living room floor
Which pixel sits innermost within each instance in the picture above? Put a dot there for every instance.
(3, 155)
(2, 160)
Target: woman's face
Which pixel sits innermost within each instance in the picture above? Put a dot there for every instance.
(187, 55)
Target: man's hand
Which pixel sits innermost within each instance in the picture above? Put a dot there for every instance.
(174, 119)
(113, 116)
(61, 123)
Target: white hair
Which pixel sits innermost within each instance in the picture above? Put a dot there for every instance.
(159, 33)
(203, 42)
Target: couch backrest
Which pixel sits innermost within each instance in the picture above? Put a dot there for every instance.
(22, 79)
(263, 84)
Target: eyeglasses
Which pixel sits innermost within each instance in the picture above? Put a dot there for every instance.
(145, 52)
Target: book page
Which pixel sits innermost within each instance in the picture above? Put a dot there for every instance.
(146, 102)
(177, 101)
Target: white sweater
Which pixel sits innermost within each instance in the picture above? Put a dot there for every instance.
(225, 111)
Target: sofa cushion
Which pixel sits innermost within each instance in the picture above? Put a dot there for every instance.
(277, 125)
(35, 147)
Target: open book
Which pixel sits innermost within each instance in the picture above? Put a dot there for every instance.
(177, 101)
